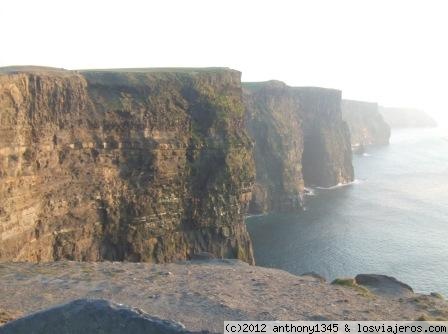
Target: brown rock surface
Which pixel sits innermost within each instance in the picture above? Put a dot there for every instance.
(274, 123)
(300, 139)
(327, 157)
(202, 294)
(137, 165)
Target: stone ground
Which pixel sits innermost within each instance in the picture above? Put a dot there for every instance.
(202, 294)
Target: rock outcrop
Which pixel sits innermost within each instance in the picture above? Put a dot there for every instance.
(137, 165)
(407, 118)
(202, 294)
(92, 316)
(367, 126)
(384, 285)
(300, 139)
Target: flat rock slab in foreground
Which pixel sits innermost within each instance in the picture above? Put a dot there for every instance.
(202, 294)
(92, 316)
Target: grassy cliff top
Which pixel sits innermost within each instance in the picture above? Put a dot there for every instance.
(260, 84)
(280, 84)
(31, 69)
(43, 69)
(357, 103)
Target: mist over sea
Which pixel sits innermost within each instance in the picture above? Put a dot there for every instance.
(392, 220)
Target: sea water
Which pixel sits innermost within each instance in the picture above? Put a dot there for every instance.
(392, 220)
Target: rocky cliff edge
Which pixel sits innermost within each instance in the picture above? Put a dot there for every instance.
(202, 294)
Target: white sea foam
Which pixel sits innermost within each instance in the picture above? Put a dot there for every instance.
(340, 185)
(255, 215)
(402, 192)
(309, 191)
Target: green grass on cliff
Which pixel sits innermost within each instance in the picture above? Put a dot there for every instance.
(351, 283)
(33, 68)
(160, 69)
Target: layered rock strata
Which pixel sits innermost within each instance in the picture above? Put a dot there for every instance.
(274, 123)
(300, 139)
(367, 126)
(137, 165)
(327, 159)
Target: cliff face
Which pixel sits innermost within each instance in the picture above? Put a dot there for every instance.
(327, 158)
(407, 118)
(148, 165)
(300, 139)
(367, 126)
(274, 123)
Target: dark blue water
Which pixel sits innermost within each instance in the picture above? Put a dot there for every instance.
(393, 220)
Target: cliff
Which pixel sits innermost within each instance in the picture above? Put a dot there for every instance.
(137, 165)
(367, 126)
(202, 294)
(327, 158)
(407, 118)
(274, 123)
(300, 139)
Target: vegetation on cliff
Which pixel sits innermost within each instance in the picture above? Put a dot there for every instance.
(300, 139)
(138, 165)
(273, 121)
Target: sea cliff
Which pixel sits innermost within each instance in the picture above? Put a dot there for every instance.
(137, 165)
(367, 126)
(300, 139)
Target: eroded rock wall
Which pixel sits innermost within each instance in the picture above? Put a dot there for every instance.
(300, 139)
(367, 126)
(327, 157)
(141, 166)
(274, 123)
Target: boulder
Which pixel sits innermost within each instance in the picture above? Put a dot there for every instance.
(91, 316)
(384, 285)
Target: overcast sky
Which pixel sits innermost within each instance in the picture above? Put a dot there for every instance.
(394, 52)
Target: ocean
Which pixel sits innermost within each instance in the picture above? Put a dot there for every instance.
(392, 220)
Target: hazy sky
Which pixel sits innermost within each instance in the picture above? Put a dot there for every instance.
(394, 52)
